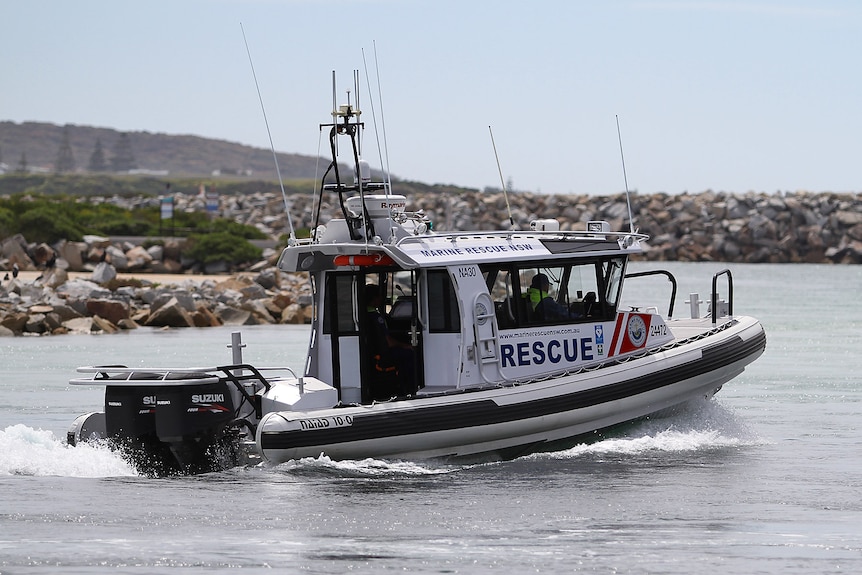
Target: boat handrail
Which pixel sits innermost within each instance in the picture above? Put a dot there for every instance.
(169, 376)
(714, 302)
(126, 369)
(231, 374)
(302, 241)
(110, 375)
(672, 281)
(573, 234)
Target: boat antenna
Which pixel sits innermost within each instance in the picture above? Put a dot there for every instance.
(502, 182)
(271, 146)
(382, 119)
(625, 178)
(357, 154)
(380, 151)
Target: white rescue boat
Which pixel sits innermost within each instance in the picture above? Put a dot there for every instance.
(429, 344)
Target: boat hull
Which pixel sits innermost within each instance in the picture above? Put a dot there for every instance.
(513, 417)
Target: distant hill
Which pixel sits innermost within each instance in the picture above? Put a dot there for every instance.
(42, 147)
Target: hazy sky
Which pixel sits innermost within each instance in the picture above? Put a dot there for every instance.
(760, 95)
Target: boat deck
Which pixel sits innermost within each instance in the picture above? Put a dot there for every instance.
(686, 328)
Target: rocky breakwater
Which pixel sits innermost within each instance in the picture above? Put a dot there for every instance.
(753, 227)
(711, 226)
(53, 303)
(164, 257)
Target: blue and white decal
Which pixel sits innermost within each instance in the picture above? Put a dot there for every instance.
(637, 330)
(448, 251)
(600, 339)
(543, 349)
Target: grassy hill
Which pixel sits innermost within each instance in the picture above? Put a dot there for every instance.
(184, 161)
(40, 145)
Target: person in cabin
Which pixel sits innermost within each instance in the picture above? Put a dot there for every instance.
(393, 361)
(545, 307)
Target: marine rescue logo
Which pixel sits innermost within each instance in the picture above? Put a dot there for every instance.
(637, 330)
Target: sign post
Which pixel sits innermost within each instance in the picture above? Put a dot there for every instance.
(167, 213)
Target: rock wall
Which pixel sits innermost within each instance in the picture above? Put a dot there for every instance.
(752, 228)
(709, 226)
(800, 227)
(53, 304)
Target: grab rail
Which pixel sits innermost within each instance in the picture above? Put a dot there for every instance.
(714, 306)
(143, 376)
(173, 376)
(672, 281)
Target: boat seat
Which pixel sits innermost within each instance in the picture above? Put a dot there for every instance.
(505, 311)
(525, 310)
(589, 304)
(585, 307)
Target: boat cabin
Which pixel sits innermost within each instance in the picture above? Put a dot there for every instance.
(435, 313)
(421, 312)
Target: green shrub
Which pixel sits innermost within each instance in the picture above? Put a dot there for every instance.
(7, 222)
(48, 218)
(221, 246)
(237, 229)
(48, 224)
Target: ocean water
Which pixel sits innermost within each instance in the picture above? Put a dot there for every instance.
(764, 478)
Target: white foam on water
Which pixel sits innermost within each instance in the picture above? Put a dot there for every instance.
(365, 467)
(36, 452)
(697, 426)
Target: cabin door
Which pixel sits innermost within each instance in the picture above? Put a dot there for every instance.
(374, 335)
(340, 349)
(480, 353)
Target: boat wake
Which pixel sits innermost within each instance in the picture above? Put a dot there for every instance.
(702, 425)
(698, 426)
(36, 452)
(364, 468)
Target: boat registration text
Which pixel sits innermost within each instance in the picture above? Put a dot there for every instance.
(325, 422)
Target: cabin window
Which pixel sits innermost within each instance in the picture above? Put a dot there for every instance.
(402, 313)
(573, 292)
(338, 314)
(612, 274)
(499, 281)
(554, 293)
(498, 278)
(443, 314)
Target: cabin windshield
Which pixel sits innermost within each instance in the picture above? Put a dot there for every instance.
(548, 293)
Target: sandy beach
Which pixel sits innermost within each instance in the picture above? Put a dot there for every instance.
(162, 279)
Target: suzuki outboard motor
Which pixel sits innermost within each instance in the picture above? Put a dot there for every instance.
(191, 420)
(166, 423)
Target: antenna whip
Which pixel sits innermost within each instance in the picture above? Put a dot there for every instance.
(269, 133)
(380, 151)
(625, 178)
(502, 182)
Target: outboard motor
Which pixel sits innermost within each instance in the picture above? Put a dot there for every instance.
(167, 421)
(163, 423)
(130, 412)
(191, 420)
(130, 421)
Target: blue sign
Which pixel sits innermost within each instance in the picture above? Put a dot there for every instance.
(167, 207)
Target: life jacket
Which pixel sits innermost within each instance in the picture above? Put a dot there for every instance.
(534, 296)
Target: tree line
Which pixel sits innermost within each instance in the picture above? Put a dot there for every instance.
(122, 159)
